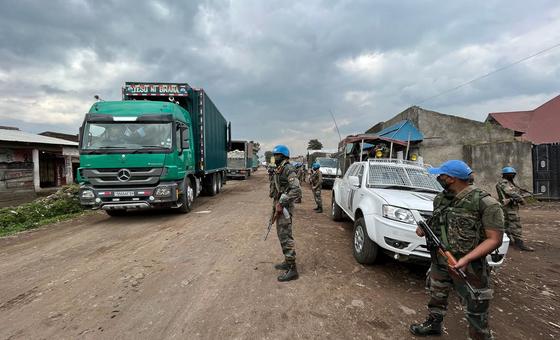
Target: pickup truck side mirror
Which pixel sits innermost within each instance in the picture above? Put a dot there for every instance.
(354, 181)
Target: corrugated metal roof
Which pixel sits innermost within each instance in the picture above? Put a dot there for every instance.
(540, 126)
(18, 136)
(403, 131)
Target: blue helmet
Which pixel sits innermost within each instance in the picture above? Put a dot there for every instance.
(281, 149)
(315, 166)
(508, 170)
(454, 168)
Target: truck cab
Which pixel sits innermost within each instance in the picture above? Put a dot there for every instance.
(137, 154)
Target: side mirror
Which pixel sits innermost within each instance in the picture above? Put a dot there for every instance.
(185, 144)
(354, 181)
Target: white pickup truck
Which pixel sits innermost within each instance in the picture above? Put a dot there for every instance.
(379, 196)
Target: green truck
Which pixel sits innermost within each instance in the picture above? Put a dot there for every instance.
(162, 146)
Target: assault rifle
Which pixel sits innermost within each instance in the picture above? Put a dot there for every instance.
(433, 243)
(523, 196)
(278, 209)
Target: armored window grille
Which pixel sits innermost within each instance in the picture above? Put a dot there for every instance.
(386, 174)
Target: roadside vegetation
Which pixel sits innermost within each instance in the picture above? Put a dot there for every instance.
(59, 206)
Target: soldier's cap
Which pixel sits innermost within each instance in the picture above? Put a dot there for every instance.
(453, 168)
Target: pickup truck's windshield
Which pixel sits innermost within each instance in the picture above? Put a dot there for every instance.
(327, 162)
(398, 176)
(98, 136)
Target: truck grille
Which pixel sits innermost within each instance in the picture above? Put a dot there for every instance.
(122, 177)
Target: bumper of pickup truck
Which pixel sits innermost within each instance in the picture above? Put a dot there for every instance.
(165, 194)
(400, 241)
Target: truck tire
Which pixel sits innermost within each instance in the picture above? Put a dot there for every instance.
(211, 187)
(336, 211)
(219, 181)
(186, 199)
(116, 213)
(365, 250)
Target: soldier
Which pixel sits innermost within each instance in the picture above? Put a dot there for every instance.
(470, 224)
(284, 190)
(510, 196)
(316, 180)
(300, 172)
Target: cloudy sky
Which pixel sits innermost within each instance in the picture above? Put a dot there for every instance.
(277, 68)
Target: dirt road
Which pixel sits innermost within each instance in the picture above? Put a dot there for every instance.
(209, 275)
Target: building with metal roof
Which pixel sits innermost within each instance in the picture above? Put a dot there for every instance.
(541, 127)
(31, 163)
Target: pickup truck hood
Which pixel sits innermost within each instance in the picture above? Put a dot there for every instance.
(406, 198)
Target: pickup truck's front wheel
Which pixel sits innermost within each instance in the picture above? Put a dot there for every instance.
(365, 250)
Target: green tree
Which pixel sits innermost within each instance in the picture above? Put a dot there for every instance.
(314, 144)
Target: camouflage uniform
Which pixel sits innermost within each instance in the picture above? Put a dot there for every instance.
(460, 222)
(285, 181)
(316, 183)
(508, 190)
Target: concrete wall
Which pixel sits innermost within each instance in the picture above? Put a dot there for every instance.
(486, 147)
(487, 161)
(16, 183)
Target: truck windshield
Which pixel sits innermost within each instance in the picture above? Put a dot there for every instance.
(399, 176)
(127, 136)
(327, 162)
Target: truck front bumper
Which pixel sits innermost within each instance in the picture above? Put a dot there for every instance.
(165, 194)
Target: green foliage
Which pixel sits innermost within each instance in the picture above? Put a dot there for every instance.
(60, 205)
(314, 144)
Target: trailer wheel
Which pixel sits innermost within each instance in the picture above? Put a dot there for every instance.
(219, 181)
(186, 199)
(211, 185)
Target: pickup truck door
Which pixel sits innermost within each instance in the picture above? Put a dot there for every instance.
(345, 188)
(353, 192)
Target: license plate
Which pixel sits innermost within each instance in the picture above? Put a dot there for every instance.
(124, 193)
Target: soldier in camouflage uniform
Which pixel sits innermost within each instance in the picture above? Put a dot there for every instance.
(284, 190)
(300, 173)
(316, 183)
(470, 224)
(510, 196)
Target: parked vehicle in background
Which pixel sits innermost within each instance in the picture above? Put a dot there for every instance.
(379, 196)
(329, 169)
(240, 159)
(161, 150)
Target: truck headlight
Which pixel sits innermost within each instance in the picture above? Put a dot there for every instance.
(88, 194)
(398, 214)
(162, 192)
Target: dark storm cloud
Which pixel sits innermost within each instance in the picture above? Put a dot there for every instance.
(276, 69)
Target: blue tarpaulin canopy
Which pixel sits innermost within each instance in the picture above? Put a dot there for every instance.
(402, 131)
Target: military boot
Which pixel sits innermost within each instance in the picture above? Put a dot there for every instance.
(319, 210)
(432, 326)
(519, 244)
(290, 274)
(282, 266)
(316, 208)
